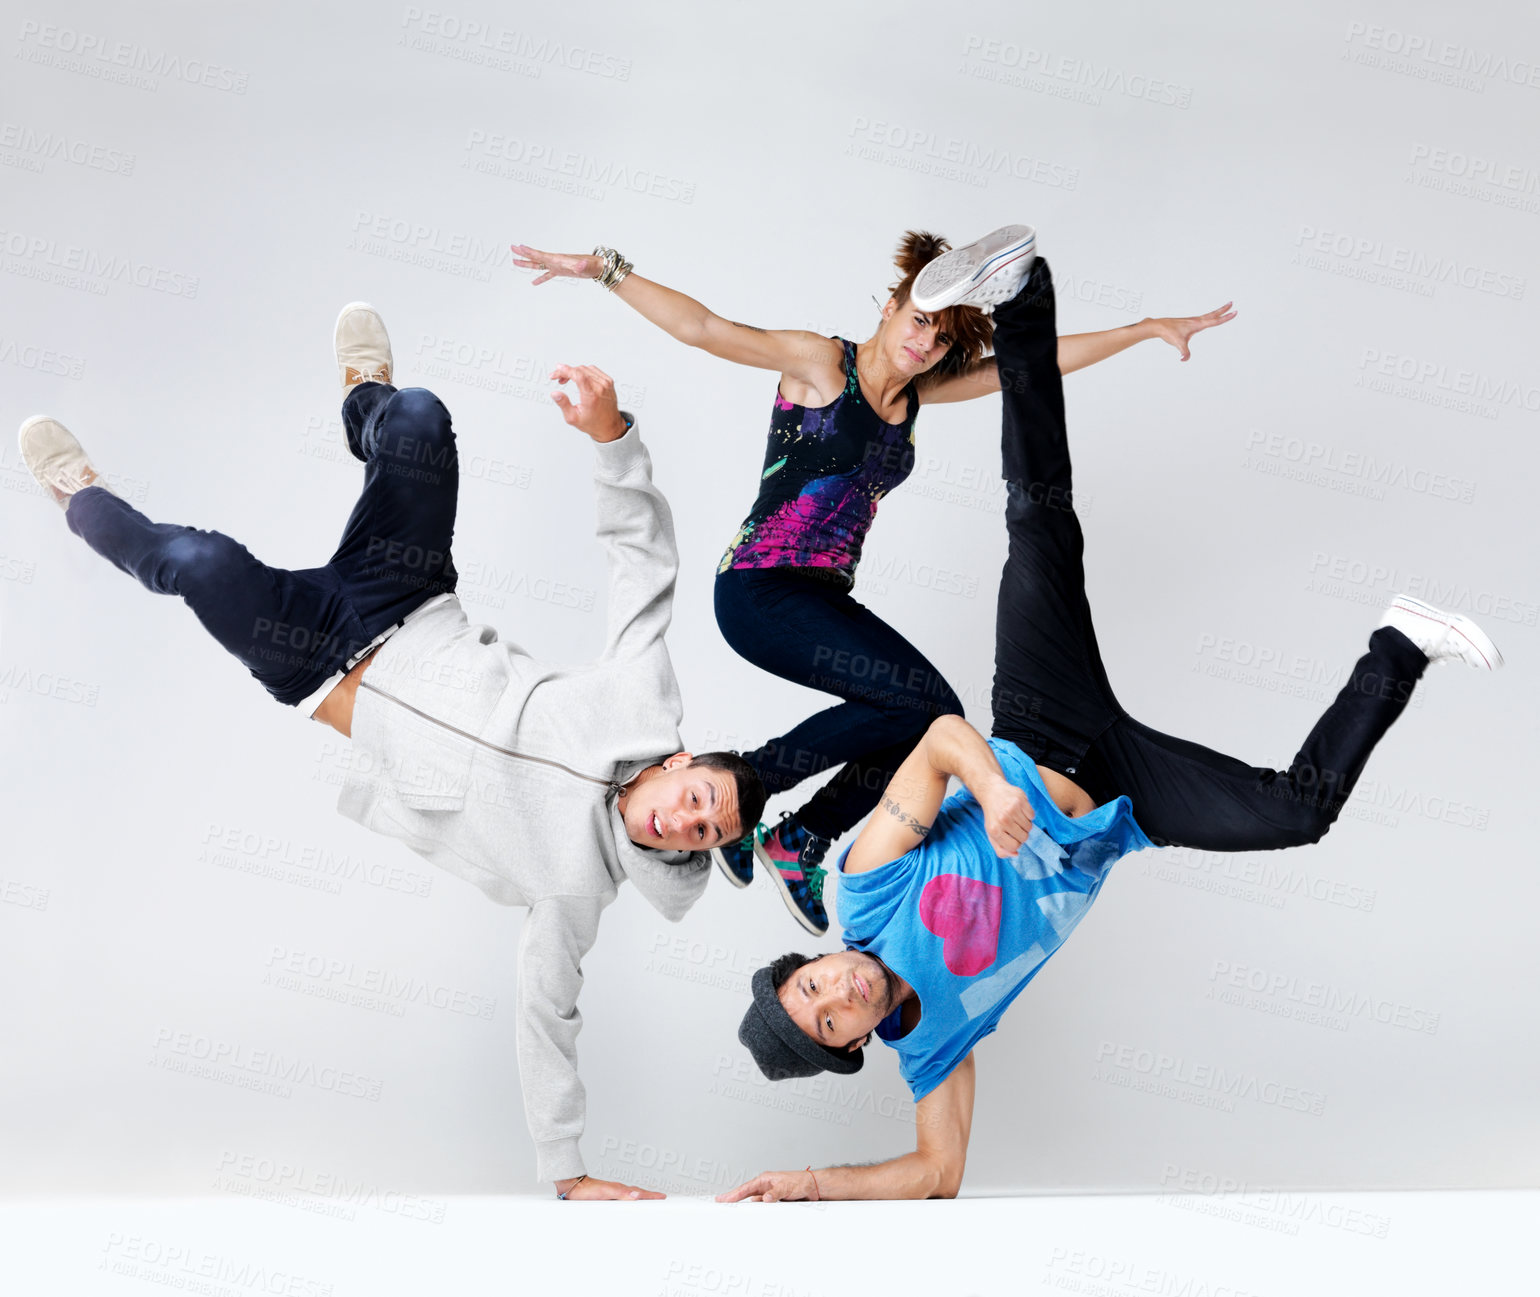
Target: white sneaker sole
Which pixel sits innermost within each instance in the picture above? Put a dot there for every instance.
(1459, 625)
(727, 871)
(989, 269)
(771, 867)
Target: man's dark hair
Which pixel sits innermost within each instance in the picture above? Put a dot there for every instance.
(751, 793)
(781, 969)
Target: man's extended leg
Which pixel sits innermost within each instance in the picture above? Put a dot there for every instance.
(395, 550)
(1188, 795)
(1051, 696)
(291, 630)
(394, 554)
(1051, 693)
(295, 629)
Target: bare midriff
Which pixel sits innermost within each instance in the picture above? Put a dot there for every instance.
(336, 709)
(1067, 795)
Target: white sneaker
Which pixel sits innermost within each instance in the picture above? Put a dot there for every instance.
(363, 346)
(56, 459)
(1443, 636)
(981, 273)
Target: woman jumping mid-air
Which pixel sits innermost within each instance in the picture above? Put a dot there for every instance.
(841, 437)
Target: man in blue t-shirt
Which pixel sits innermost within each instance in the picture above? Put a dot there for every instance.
(940, 938)
(951, 906)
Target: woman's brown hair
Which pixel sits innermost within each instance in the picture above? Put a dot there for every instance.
(971, 330)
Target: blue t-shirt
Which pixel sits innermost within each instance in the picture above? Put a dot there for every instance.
(968, 930)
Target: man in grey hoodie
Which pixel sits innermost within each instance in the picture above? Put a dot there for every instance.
(545, 785)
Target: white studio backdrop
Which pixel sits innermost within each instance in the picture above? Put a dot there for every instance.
(174, 880)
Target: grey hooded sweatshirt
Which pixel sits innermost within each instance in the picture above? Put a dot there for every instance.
(504, 769)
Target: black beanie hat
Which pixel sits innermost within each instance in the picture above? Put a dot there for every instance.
(780, 1047)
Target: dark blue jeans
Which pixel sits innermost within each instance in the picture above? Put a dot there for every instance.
(292, 630)
(1051, 694)
(809, 630)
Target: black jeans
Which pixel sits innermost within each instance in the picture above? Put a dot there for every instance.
(809, 630)
(1051, 695)
(294, 629)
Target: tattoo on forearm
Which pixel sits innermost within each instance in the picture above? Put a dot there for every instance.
(898, 813)
(739, 324)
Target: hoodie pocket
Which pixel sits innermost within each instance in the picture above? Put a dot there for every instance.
(433, 768)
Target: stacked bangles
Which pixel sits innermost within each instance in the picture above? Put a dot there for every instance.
(616, 267)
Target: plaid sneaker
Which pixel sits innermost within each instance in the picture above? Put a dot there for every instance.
(792, 856)
(736, 859)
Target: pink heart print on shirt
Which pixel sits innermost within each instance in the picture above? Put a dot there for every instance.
(965, 914)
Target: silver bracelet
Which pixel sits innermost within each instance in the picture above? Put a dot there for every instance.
(615, 267)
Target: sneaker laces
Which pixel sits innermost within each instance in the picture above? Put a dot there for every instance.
(813, 876)
(379, 374)
(65, 482)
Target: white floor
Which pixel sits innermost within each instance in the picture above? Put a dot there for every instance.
(1197, 1245)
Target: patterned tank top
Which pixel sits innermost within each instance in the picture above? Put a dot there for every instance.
(825, 470)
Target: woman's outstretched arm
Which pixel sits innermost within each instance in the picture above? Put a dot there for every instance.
(798, 353)
(1077, 350)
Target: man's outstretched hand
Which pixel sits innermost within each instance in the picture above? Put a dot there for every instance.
(775, 1186)
(590, 1190)
(596, 411)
